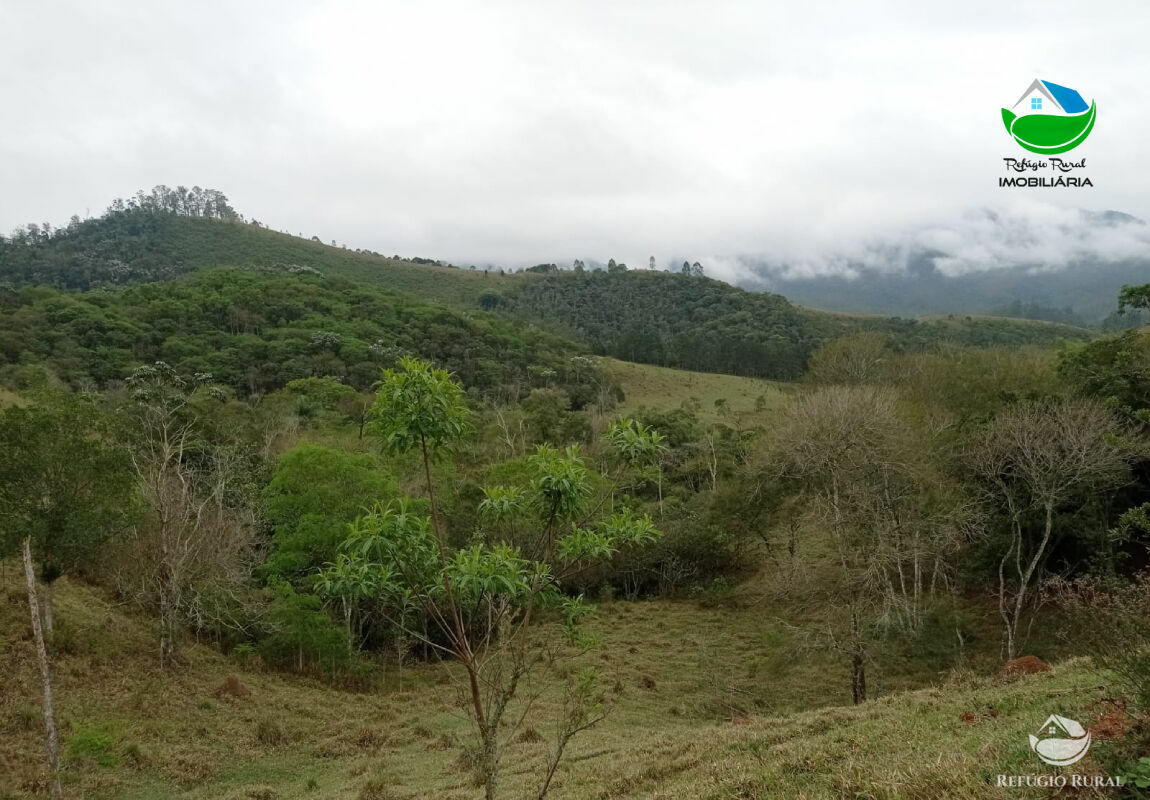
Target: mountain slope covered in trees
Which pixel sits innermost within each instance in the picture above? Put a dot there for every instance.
(137, 244)
(670, 319)
(692, 322)
(256, 331)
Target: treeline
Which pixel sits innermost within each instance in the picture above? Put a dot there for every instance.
(257, 331)
(668, 319)
(185, 202)
(181, 201)
(687, 321)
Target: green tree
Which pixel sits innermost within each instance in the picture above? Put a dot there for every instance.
(314, 492)
(64, 490)
(481, 600)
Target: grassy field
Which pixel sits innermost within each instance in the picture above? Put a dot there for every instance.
(666, 388)
(707, 701)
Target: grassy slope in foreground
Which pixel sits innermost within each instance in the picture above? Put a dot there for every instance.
(684, 725)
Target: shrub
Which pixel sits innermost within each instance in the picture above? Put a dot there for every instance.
(93, 742)
(1111, 622)
(269, 733)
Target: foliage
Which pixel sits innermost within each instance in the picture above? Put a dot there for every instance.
(256, 332)
(62, 483)
(140, 245)
(1111, 621)
(1115, 369)
(300, 635)
(695, 323)
(315, 491)
(417, 405)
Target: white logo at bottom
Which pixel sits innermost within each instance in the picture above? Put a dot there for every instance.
(1065, 741)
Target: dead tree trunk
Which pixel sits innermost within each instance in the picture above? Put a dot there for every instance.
(45, 675)
(858, 660)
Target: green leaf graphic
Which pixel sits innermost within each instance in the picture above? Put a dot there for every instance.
(1048, 134)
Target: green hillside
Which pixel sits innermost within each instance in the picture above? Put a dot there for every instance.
(256, 331)
(138, 245)
(668, 319)
(696, 323)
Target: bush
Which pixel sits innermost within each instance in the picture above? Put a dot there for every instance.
(269, 733)
(302, 637)
(1111, 622)
(93, 742)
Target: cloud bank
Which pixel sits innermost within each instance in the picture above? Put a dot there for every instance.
(512, 133)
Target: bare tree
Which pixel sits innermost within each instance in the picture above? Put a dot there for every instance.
(191, 538)
(848, 359)
(1031, 460)
(864, 478)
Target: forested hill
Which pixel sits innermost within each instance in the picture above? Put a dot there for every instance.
(696, 323)
(670, 319)
(131, 245)
(257, 331)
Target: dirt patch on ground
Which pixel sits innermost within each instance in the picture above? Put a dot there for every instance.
(1025, 665)
(231, 687)
(1113, 722)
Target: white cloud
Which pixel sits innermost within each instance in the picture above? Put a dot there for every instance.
(516, 133)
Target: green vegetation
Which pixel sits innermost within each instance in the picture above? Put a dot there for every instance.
(695, 323)
(256, 332)
(147, 243)
(285, 535)
(680, 319)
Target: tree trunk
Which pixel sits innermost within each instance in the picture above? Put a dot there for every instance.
(46, 611)
(858, 661)
(858, 678)
(1025, 575)
(490, 763)
(45, 675)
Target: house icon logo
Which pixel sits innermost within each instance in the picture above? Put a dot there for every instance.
(1049, 119)
(1064, 741)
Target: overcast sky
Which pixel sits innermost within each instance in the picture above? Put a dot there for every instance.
(541, 131)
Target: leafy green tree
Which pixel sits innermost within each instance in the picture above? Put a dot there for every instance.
(300, 634)
(1137, 297)
(314, 492)
(480, 600)
(642, 448)
(65, 486)
(64, 490)
(418, 407)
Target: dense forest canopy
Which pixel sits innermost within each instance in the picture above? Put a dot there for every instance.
(256, 331)
(691, 322)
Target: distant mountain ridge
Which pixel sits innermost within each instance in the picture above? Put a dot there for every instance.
(986, 262)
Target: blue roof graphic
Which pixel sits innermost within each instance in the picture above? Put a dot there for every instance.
(1067, 99)
(1070, 100)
